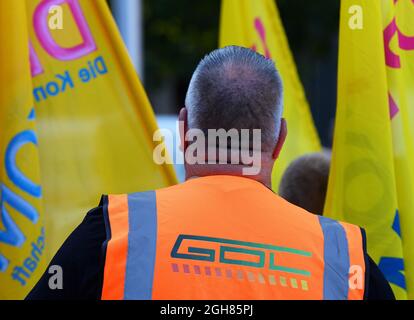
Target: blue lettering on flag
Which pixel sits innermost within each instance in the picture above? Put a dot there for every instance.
(12, 234)
(14, 174)
(393, 268)
(396, 225)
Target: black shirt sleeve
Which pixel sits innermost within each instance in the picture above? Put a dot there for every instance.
(378, 287)
(82, 260)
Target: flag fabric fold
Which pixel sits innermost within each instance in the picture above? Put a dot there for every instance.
(22, 232)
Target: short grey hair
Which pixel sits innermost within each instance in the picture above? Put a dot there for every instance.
(236, 88)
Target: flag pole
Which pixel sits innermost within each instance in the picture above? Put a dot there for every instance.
(129, 18)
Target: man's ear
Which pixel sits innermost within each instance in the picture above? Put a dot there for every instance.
(282, 138)
(183, 125)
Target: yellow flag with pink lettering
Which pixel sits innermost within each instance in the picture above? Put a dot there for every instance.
(398, 35)
(372, 174)
(256, 24)
(94, 122)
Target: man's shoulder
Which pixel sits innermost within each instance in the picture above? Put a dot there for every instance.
(81, 258)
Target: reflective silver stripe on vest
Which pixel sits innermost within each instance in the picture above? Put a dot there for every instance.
(142, 241)
(336, 256)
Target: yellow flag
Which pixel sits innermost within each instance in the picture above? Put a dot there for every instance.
(363, 186)
(399, 53)
(22, 233)
(94, 120)
(256, 24)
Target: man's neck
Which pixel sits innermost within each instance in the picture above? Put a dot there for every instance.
(204, 170)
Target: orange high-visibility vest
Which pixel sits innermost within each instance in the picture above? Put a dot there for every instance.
(223, 237)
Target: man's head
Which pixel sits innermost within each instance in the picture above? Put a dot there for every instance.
(305, 182)
(237, 88)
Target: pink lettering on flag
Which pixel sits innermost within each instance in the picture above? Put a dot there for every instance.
(405, 42)
(393, 107)
(35, 65)
(48, 43)
(392, 60)
(395, 1)
(261, 30)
